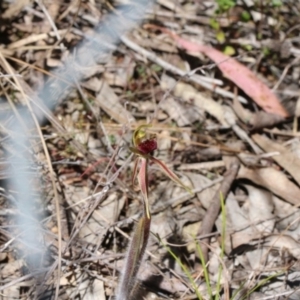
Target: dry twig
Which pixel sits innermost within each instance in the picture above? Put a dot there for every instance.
(214, 208)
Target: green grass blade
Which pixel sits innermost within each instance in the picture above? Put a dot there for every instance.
(262, 283)
(184, 269)
(223, 232)
(205, 271)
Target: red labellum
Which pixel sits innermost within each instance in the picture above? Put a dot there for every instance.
(147, 146)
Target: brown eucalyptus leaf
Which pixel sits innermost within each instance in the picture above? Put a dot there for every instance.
(273, 180)
(260, 209)
(285, 159)
(237, 224)
(281, 241)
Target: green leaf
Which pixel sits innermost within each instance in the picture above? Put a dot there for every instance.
(245, 16)
(277, 3)
(229, 50)
(220, 36)
(225, 5)
(156, 68)
(214, 24)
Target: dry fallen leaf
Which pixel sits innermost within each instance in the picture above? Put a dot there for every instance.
(181, 114)
(240, 75)
(273, 180)
(285, 159)
(205, 196)
(87, 289)
(237, 73)
(283, 241)
(288, 215)
(260, 209)
(238, 228)
(190, 94)
(15, 8)
(109, 102)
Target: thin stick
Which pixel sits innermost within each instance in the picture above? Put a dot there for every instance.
(170, 68)
(214, 208)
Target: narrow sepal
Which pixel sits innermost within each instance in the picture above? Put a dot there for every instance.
(169, 173)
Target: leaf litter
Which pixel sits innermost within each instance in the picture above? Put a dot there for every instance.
(212, 133)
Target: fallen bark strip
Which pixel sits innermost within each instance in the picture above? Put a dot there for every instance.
(215, 206)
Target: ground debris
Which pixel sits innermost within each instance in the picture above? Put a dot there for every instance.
(240, 162)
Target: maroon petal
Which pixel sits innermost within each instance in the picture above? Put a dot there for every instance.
(147, 146)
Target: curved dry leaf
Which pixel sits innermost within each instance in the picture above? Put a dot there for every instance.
(273, 180)
(289, 215)
(188, 93)
(240, 75)
(257, 258)
(238, 223)
(285, 159)
(283, 241)
(204, 196)
(260, 209)
(183, 115)
(107, 100)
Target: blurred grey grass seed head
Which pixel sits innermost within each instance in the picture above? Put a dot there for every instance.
(94, 49)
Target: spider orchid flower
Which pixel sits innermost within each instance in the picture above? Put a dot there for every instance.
(143, 147)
